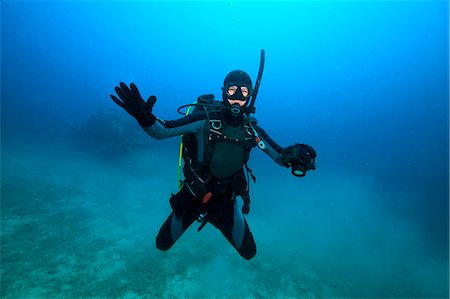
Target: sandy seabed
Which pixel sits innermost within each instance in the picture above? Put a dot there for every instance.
(76, 227)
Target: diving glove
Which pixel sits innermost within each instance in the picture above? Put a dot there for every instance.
(132, 102)
(301, 157)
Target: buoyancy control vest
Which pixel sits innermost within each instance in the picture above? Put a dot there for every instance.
(226, 149)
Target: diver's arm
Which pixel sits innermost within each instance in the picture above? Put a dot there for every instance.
(300, 157)
(271, 148)
(162, 129)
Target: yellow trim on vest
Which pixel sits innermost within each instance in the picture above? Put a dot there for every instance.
(180, 158)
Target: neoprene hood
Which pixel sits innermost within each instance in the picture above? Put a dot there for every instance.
(238, 78)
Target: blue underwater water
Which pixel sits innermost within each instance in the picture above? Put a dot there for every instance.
(84, 190)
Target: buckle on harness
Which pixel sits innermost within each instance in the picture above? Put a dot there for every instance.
(198, 186)
(202, 219)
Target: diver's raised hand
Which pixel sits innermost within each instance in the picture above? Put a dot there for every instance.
(301, 157)
(132, 102)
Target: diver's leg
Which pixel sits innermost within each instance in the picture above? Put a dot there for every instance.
(234, 227)
(172, 229)
(177, 222)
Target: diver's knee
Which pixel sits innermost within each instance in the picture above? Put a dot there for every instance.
(248, 247)
(163, 242)
(247, 253)
(163, 246)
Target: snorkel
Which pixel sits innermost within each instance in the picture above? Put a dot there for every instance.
(251, 108)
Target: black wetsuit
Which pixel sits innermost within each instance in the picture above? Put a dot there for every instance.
(222, 150)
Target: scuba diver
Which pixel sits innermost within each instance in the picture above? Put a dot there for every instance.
(217, 139)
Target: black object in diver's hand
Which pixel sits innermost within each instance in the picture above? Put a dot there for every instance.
(301, 157)
(299, 170)
(132, 102)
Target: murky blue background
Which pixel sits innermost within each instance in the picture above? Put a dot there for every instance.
(85, 190)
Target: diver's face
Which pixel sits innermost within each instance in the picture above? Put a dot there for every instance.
(233, 88)
(242, 91)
